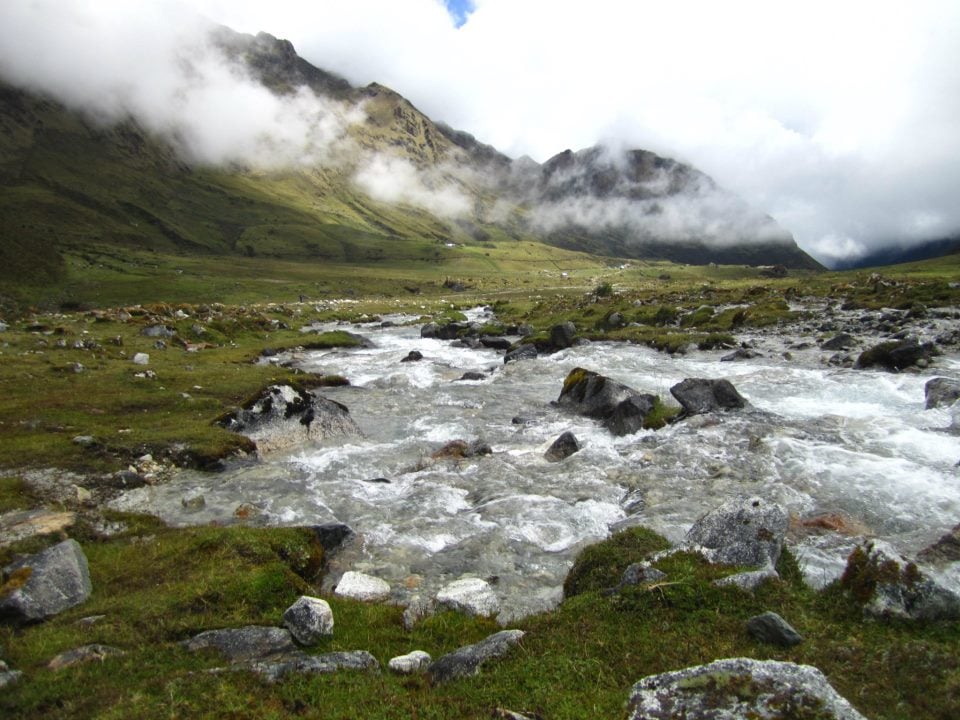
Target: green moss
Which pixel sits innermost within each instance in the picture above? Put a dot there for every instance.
(601, 565)
(660, 415)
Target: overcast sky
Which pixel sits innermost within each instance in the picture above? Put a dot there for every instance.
(839, 118)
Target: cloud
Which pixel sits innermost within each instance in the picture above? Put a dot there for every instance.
(395, 180)
(838, 119)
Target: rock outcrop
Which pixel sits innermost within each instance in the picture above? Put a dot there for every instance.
(45, 584)
(283, 416)
(739, 688)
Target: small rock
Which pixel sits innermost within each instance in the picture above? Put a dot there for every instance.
(309, 620)
(841, 341)
(527, 351)
(471, 375)
(413, 356)
(414, 662)
(193, 502)
(86, 653)
(466, 661)
(945, 550)
(472, 596)
(275, 668)
(141, 359)
(359, 586)
(9, 677)
(563, 447)
(84, 440)
(772, 629)
(741, 354)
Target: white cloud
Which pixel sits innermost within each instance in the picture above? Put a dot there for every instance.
(394, 180)
(839, 119)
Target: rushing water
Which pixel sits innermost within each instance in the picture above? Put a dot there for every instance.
(816, 439)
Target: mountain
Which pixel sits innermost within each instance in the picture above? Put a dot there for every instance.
(343, 174)
(896, 255)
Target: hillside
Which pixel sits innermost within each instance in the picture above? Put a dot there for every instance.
(385, 185)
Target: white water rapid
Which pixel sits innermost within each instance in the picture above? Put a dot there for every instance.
(817, 439)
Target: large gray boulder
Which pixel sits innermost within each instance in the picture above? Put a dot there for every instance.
(246, 643)
(891, 586)
(941, 392)
(621, 408)
(739, 688)
(466, 661)
(47, 583)
(699, 395)
(746, 532)
(283, 416)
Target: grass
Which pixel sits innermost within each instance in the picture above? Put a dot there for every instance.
(157, 586)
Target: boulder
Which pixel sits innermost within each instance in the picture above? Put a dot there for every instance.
(941, 392)
(411, 663)
(889, 585)
(495, 343)
(358, 586)
(563, 335)
(466, 661)
(86, 653)
(741, 532)
(945, 550)
(698, 395)
(309, 620)
(772, 629)
(46, 584)
(246, 643)
(896, 355)
(622, 408)
(472, 596)
(739, 688)
(630, 415)
(840, 341)
(562, 448)
(282, 416)
(527, 351)
(638, 573)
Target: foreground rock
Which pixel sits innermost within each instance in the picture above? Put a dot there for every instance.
(739, 688)
(309, 620)
(47, 583)
(471, 596)
(698, 396)
(283, 416)
(466, 661)
(621, 408)
(888, 585)
(246, 643)
(742, 532)
(941, 392)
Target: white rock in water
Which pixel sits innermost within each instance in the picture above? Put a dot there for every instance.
(141, 359)
(472, 596)
(414, 662)
(358, 586)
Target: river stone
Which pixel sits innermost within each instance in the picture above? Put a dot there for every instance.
(772, 629)
(945, 550)
(333, 535)
(275, 668)
(282, 416)
(741, 532)
(896, 355)
(563, 335)
(86, 653)
(413, 356)
(527, 351)
(466, 661)
(741, 354)
(739, 688)
(309, 620)
(698, 395)
(495, 343)
(471, 596)
(246, 643)
(53, 581)
(629, 416)
(22, 524)
(588, 393)
(471, 375)
(941, 392)
(840, 341)
(890, 586)
(411, 663)
(563, 447)
(359, 586)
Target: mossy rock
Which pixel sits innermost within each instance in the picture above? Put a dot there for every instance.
(601, 566)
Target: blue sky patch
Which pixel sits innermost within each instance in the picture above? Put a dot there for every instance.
(459, 10)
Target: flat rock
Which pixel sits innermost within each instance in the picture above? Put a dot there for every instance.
(699, 395)
(741, 532)
(49, 583)
(772, 629)
(22, 524)
(466, 661)
(739, 688)
(471, 596)
(358, 586)
(309, 620)
(275, 668)
(246, 643)
(411, 663)
(83, 654)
